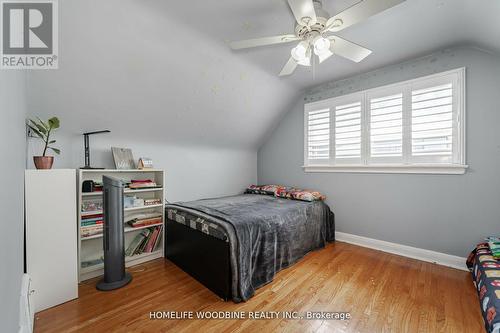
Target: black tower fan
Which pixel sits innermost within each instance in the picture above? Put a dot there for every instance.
(114, 240)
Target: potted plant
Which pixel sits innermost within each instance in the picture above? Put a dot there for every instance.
(43, 130)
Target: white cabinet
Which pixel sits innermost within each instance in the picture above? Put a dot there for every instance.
(51, 236)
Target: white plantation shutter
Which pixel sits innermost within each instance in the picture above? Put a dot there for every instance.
(386, 126)
(348, 131)
(432, 121)
(416, 125)
(318, 135)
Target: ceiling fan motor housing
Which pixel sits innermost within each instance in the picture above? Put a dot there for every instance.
(322, 17)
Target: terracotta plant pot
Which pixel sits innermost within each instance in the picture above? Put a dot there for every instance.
(43, 162)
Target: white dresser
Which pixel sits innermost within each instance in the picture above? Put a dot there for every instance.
(51, 236)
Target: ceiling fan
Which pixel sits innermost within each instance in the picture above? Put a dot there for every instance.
(312, 29)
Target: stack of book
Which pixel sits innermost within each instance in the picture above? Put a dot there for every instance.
(154, 201)
(494, 244)
(147, 241)
(137, 184)
(144, 219)
(91, 205)
(91, 225)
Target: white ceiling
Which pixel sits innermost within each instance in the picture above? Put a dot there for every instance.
(162, 70)
(413, 28)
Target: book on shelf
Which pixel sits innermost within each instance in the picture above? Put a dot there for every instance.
(92, 227)
(145, 222)
(136, 242)
(140, 248)
(92, 223)
(97, 217)
(91, 230)
(91, 216)
(144, 242)
(152, 239)
(150, 202)
(158, 239)
(143, 219)
(137, 184)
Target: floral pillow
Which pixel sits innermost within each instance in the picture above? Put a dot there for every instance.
(299, 194)
(286, 192)
(264, 189)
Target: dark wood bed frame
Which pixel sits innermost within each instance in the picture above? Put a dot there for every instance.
(204, 257)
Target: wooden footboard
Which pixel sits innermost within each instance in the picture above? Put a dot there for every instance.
(204, 257)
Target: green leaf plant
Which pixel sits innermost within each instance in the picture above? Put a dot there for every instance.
(43, 130)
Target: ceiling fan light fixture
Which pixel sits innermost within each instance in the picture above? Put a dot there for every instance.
(321, 45)
(302, 54)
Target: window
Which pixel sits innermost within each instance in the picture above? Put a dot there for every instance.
(318, 135)
(348, 131)
(432, 121)
(415, 126)
(386, 126)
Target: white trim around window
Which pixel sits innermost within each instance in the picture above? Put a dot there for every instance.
(415, 126)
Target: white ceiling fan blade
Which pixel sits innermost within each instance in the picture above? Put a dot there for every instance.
(325, 55)
(347, 49)
(359, 12)
(303, 10)
(289, 67)
(244, 44)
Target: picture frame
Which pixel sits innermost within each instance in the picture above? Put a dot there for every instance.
(145, 163)
(123, 158)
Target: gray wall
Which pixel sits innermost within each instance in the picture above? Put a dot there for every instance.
(13, 150)
(191, 171)
(445, 213)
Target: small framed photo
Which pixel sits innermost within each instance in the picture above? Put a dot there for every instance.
(145, 163)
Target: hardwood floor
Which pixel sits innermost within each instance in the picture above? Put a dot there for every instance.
(382, 292)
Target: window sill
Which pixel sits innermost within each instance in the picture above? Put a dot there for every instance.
(437, 169)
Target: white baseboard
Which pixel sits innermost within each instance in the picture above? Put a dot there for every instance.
(404, 250)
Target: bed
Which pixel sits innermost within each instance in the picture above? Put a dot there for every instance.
(234, 245)
(486, 277)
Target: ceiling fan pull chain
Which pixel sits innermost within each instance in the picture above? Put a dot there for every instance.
(313, 67)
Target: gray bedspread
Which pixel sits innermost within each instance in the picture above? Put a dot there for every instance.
(266, 234)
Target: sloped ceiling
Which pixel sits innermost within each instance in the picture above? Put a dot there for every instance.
(163, 70)
(140, 70)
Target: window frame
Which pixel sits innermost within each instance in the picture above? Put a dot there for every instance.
(407, 163)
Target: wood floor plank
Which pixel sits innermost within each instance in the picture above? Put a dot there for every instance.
(382, 292)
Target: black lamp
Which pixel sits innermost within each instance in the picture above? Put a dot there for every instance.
(87, 147)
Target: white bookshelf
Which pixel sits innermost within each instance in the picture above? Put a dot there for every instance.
(90, 248)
